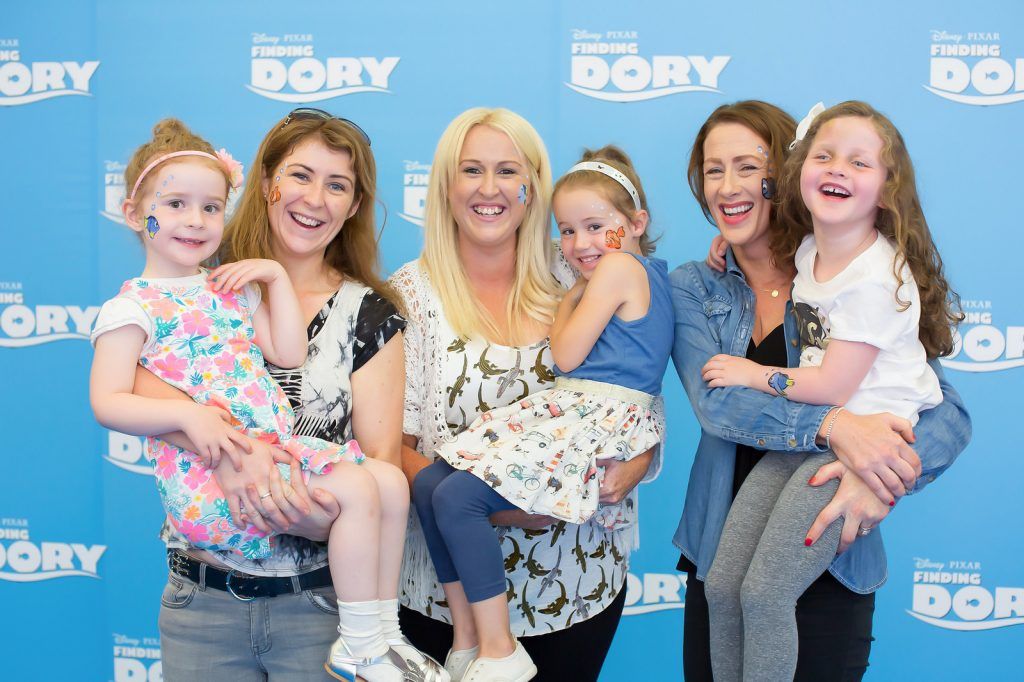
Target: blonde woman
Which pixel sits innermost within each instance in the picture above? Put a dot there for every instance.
(480, 301)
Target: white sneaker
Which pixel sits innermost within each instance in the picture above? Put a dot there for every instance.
(457, 662)
(516, 667)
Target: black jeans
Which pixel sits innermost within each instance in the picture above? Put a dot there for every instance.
(575, 653)
(834, 626)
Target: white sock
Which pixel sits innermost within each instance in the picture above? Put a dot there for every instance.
(359, 625)
(389, 619)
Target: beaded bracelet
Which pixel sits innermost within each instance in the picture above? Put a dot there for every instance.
(831, 423)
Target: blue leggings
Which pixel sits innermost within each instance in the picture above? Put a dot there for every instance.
(454, 509)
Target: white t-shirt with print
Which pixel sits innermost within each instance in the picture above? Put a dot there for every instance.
(860, 304)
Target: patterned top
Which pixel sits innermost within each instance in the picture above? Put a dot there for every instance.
(201, 341)
(556, 576)
(350, 328)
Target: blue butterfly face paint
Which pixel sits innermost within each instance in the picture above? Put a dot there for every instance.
(152, 226)
(522, 194)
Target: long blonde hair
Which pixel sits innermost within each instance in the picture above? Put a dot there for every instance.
(900, 218)
(534, 293)
(353, 252)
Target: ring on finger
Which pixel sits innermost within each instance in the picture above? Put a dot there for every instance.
(864, 530)
(265, 495)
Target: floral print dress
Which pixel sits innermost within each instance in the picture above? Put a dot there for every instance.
(201, 342)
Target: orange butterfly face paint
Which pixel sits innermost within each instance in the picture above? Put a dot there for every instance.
(275, 195)
(613, 238)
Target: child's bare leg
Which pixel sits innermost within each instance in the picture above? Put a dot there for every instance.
(493, 631)
(393, 490)
(354, 542)
(462, 617)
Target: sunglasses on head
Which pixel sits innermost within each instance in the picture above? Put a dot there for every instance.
(310, 112)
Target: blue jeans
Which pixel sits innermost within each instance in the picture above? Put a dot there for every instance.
(454, 509)
(206, 634)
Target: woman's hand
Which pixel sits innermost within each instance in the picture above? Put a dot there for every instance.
(243, 488)
(621, 477)
(854, 501)
(234, 276)
(875, 448)
(517, 518)
(308, 515)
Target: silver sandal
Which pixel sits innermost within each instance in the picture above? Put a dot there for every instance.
(342, 665)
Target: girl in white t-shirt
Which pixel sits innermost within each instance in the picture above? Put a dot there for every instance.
(872, 304)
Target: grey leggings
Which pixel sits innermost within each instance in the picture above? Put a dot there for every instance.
(762, 567)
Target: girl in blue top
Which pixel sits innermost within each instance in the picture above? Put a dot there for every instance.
(610, 341)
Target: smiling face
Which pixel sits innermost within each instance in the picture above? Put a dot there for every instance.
(180, 217)
(491, 189)
(309, 198)
(735, 163)
(591, 227)
(842, 178)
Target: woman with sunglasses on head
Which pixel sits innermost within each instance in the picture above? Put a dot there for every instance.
(309, 205)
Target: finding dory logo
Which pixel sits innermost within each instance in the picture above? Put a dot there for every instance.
(22, 325)
(609, 66)
(653, 592)
(113, 191)
(981, 346)
(414, 191)
(284, 68)
(970, 68)
(27, 82)
(951, 596)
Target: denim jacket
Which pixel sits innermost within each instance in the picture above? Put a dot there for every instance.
(715, 314)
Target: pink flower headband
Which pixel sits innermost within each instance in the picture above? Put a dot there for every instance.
(232, 167)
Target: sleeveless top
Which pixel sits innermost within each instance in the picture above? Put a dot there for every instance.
(634, 353)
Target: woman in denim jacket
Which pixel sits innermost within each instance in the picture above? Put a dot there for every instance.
(745, 311)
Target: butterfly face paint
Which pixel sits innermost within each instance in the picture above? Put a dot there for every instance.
(522, 194)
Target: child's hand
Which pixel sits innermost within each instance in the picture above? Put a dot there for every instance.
(234, 276)
(729, 370)
(716, 254)
(210, 430)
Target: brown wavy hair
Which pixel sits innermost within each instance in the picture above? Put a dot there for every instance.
(610, 187)
(767, 121)
(899, 218)
(353, 253)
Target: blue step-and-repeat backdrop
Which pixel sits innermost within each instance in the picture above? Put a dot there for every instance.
(82, 83)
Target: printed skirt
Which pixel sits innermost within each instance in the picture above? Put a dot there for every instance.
(543, 454)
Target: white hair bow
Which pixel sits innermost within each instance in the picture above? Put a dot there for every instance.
(801, 128)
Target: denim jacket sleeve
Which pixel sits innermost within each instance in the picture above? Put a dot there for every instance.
(708, 318)
(942, 432)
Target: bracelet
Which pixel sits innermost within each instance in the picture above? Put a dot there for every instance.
(831, 423)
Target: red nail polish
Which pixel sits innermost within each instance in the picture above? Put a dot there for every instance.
(893, 503)
(807, 542)
(810, 481)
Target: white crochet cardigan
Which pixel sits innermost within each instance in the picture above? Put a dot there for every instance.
(424, 417)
